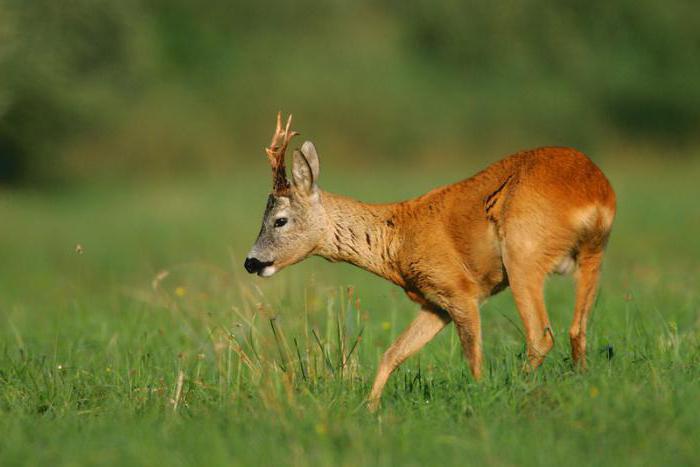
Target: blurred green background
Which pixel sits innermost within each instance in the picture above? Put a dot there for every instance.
(101, 88)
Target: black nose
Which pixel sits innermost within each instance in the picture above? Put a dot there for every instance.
(254, 265)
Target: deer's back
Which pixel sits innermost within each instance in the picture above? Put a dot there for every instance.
(554, 179)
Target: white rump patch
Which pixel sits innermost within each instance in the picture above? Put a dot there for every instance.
(591, 215)
(586, 217)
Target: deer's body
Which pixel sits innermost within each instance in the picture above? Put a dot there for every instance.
(531, 214)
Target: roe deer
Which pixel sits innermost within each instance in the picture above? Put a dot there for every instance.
(531, 214)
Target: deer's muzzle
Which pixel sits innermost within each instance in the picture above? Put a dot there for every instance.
(255, 266)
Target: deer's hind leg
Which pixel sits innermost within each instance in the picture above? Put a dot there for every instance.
(534, 247)
(528, 292)
(528, 262)
(587, 274)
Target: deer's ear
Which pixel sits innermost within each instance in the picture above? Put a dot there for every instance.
(309, 151)
(302, 173)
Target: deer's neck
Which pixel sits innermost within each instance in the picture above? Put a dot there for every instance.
(366, 235)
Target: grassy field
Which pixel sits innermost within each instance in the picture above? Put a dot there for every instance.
(130, 334)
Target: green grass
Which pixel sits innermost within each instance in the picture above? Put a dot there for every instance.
(106, 359)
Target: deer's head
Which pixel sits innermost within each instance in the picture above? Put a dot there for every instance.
(294, 220)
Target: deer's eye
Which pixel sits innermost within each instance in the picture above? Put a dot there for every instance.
(280, 222)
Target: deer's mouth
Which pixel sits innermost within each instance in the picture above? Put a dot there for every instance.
(267, 271)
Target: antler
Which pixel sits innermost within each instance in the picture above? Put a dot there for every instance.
(275, 153)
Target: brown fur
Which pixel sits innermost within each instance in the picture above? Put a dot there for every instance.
(531, 214)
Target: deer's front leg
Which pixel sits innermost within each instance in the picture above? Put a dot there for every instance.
(465, 314)
(427, 324)
(460, 300)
